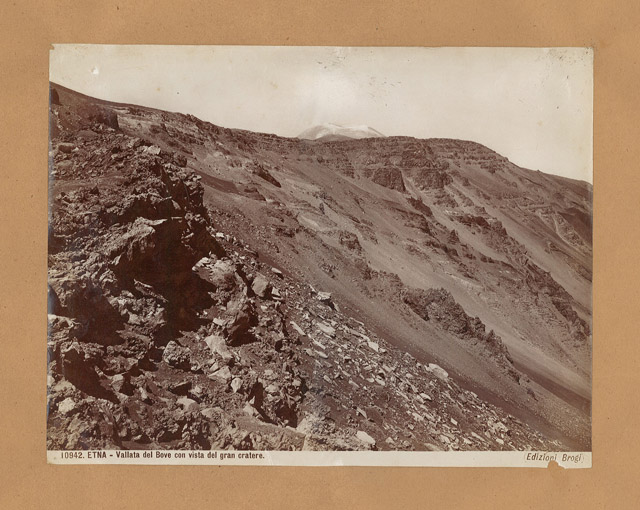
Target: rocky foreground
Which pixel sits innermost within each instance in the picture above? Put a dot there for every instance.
(167, 331)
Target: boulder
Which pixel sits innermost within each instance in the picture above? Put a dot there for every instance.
(241, 316)
(223, 374)
(121, 384)
(272, 389)
(297, 328)
(67, 406)
(176, 356)
(374, 346)
(326, 329)
(148, 246)
(324, 297)
(236, 384)
(438, 371)
(217, 345)
(365, 438)
(188, 404)
(261, 287)
(223, 275)
(78, 363)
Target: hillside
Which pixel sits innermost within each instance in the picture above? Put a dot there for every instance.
(218, 288)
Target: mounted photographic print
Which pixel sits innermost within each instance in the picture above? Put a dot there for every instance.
(320, 255)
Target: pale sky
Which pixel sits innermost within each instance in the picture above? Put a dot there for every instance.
(532, 105)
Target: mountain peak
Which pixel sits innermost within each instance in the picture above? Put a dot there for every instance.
(330, 131)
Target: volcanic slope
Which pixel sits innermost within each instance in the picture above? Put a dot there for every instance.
(441, 250)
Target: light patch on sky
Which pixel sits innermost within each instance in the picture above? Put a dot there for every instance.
(532, 105)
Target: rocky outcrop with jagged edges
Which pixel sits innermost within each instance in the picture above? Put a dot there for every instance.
(439, 306)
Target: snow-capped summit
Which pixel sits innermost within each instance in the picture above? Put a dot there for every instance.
(337, 132)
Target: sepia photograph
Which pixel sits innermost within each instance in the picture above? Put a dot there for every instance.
(320, 255)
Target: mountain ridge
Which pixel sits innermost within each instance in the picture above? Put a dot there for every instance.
(106, 102)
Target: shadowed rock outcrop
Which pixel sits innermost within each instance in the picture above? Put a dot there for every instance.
(439, 306)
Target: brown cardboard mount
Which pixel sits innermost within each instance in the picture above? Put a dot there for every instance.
(28, 29)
